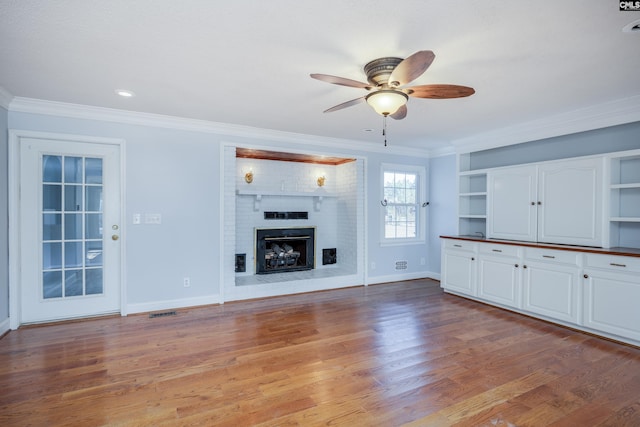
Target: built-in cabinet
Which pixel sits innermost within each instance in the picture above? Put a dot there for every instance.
(499, 277)
(612, 294)
(595, 292)
(551, 283)
(587, 201)
(459, 259)
(624, 208)
(472, 203)
(554, 202)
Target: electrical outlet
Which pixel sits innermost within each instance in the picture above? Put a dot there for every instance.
(186, 282)
(136, 218)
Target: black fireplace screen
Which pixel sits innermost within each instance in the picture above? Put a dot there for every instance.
(281, 250)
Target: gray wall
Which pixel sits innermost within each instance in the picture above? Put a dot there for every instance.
(4, 216)
(598, 141)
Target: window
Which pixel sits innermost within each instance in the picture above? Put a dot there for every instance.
(403, 194)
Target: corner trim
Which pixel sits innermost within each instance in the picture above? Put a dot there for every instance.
(604, 115)
(87, 112)
(5, 98)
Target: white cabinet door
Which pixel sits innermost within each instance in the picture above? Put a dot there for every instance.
(556, 202)
(499, 279)
(570, 194)
(551, 290)
(511, 203)
(611, 303)
(459, 271)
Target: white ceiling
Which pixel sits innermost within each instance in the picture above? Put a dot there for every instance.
(248, 62)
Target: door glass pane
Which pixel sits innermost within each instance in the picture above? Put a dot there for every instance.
(73, 169)
(51, 197)
(72, 198)
(51, 169)
(51, 256)
(94, 253)
(93, 226)
(73, 226)
(51, 226)
(94, 198)
(73, 254)
(72, 283)
(71, 231)
(93, 171)
(52, 284)
(94, 281)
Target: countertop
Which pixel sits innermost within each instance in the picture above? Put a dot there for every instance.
(632, 252)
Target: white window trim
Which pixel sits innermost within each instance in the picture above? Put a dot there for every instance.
(421, 196)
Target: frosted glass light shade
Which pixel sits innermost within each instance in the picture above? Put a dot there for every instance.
(386, 102)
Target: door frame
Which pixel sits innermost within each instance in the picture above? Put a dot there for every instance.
(15, 139)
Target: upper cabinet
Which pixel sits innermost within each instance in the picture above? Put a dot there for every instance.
(554, 202)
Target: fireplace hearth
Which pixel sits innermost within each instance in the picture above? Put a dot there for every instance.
(280, 250)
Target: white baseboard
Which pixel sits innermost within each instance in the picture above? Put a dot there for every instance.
(4, 326)
(405, 276)
(172, 304)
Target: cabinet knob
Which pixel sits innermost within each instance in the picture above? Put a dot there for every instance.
(524, 266)
(586, 276)
(533, 203)
(539, 202)
(517, 265)
(473, 259)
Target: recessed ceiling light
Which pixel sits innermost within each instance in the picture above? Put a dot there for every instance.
(633, 27)
(125, 93)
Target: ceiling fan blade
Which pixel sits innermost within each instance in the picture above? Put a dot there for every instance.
(345, 104)
(340, 81)
(400, 114)
(411, 68)
(439, 91)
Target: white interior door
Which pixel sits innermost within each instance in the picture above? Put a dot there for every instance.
(69, 229)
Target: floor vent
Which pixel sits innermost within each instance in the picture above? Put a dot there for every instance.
(402, 265)
(163, 314)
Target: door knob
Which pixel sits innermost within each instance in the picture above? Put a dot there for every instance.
(114, 237)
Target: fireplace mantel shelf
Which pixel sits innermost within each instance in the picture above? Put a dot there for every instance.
(317, 196)
(258, 194)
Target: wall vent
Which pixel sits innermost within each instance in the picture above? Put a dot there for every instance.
(286, 215)
(162, 314)
(402, 265)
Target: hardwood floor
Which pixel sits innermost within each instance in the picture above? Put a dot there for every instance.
(387, 355)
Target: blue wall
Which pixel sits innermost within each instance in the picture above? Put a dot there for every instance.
(177, 173)
(598, 141)
(4, 216)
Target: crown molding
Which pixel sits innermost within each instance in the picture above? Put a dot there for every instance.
(87, 112)
(5, 98)
(608, 114)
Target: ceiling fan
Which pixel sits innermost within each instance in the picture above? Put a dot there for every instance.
(387, 78)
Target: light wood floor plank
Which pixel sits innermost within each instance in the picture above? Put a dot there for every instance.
(387, 355)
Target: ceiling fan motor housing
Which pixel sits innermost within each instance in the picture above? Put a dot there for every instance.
(379, 70)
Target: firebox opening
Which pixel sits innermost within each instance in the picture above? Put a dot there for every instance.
(280, 250)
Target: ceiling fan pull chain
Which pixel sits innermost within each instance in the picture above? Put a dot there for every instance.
(384, 129)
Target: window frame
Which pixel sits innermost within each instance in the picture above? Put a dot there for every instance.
(421, 198)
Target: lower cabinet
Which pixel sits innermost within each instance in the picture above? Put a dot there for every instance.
(499, 274)
(611, 298)
(459, 266)
(598, 293)
(551, 282)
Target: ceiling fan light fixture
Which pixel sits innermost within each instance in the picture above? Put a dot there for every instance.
(386, 101)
